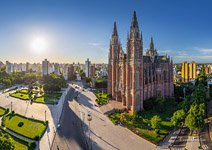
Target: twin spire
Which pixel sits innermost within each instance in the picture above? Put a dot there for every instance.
(151, 47)
(134, 24)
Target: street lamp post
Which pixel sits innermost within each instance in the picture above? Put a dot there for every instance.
(89, 119)
(11, 106)
(184, 91)
(45, 115)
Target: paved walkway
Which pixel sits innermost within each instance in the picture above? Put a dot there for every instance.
(104, 134)
(111, 106)
(37, 111)
(193, 143)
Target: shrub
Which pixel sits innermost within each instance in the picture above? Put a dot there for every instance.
(13, 112)
(37, 137)
(7, 110)
(20, 124)
(46, 123)
(157, 131)
(32, 145)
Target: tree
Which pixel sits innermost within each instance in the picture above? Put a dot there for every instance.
(88, 80)
(101, 84)
(6, 144)
(195, 118)
(155, 121)
(202, 78)
(159, 104)
(186, 103)
(178, 117)
(7, 82)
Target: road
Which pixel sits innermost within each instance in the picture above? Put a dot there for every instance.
(104, 134)
(70, 135)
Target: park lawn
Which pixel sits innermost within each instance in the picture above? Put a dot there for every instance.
(115, 117)
(46, 98)
(102, 98)
(23, 91)
(18, 144)
(20, 95)
(140, 124)
(49, 98)
(31, 128)
(2, 111)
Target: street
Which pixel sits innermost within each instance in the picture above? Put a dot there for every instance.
(104, 134)
(69, 135)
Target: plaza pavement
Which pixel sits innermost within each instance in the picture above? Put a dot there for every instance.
(104, 134)
(37, 111)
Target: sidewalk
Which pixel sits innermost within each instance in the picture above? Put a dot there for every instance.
(193, 143)
(104, 134)
(37, 111)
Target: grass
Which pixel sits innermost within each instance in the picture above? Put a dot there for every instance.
(3, 111)
(45, 98)
(17, 143)
(102, 98)
(31, 128)
(140, 123)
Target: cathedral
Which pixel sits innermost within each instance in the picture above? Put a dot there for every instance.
(134, 77)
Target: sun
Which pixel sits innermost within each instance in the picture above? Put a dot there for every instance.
(39, 44)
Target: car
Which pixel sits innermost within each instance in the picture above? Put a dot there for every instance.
(58, 126)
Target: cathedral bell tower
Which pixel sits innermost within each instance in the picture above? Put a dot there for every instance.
(113, 62)
(134, 68)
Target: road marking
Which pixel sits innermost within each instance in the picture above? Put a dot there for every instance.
(205, 147)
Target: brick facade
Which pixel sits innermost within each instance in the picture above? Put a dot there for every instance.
(133, 77)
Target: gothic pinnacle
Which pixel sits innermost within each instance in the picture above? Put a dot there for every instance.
(152, 44)
(134, 20)
(115, 33)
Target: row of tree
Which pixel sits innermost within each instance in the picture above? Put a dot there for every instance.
(51, 82)
(192, 112)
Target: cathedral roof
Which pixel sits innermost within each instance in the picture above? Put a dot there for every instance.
(158, 59)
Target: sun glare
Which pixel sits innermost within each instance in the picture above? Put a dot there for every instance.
(39, 44)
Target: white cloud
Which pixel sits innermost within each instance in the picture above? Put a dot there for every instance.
(205, 51)
(165, 51)
(95, 44)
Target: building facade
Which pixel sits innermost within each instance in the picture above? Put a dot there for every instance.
(133, 77)
(45, 67)
(87, 67)
(189, 71)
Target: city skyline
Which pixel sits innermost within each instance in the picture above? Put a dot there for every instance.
(72, 31)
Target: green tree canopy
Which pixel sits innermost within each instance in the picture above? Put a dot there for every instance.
(178, 117)
(195, 118)
(155, 121)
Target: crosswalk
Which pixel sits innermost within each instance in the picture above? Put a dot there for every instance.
(206, 147)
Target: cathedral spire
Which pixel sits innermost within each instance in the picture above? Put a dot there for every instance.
(115, 33)
(151, 44)
(128, 37)
(134, 23)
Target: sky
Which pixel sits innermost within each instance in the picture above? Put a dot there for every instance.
(69, 31)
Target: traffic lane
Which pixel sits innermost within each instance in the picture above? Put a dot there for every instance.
(70, 135)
